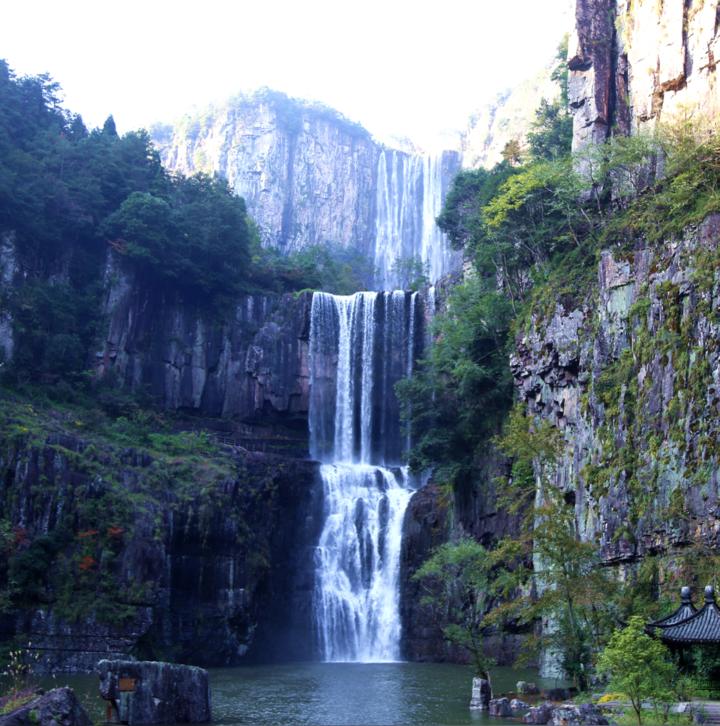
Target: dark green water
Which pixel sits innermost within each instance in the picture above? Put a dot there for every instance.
(330, 694)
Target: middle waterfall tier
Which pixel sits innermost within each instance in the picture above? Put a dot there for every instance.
(360, 346)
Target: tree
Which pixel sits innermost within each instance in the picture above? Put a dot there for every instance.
(552, 130)
(639, 666)
(457, 579)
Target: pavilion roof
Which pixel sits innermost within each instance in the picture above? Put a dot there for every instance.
(702, 626)
(685, 611)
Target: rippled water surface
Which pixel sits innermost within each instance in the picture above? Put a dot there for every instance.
(329, 694)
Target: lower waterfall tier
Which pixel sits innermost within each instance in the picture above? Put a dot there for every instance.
(357, 562)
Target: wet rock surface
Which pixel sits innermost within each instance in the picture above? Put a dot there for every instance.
(541, 714)
(500, 707)
(149, 692)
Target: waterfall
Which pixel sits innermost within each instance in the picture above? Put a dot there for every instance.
(411, 189)
(360, 346)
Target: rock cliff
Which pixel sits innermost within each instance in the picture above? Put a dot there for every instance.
(115, 552)
(307, 174)
(247, 362)
(311, 177)
(509, 118)
(630, 377)
(635, 63)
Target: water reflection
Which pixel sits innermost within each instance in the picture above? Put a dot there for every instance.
(335, 694)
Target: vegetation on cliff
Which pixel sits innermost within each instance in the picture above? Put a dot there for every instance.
(69, 196)
(534, 228)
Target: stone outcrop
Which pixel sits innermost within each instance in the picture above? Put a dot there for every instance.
(541, 714)
(633, 64)
(500, 707)
(147, 692)
(59, 707)
(481, 694)
(584, 714)
(213, 574)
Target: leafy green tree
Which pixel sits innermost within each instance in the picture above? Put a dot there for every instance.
(457, 400)
(457, 581)
(552, 130)
(639, 666)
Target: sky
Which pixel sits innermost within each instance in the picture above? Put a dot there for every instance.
(403, 68)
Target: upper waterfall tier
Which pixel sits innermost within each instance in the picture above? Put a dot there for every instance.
(311, 177)
(360, 346)
(410, 194)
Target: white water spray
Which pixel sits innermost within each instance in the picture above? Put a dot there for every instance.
(360, 346)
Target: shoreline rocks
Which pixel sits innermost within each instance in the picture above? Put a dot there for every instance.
(149, 692)
(59, 707)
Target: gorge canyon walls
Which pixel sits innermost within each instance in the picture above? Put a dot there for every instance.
(311, 177)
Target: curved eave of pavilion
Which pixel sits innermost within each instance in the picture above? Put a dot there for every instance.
(702, 627)
(684, 612)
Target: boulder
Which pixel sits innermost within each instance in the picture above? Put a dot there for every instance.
(557, 694)
(518, 707)
(146, 692)
(499, 707)
(584, 714)
(541, 714)
(58, 707)
(481, 694)
(524, 688)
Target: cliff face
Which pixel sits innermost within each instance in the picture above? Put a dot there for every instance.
(248, 362)
(635, 63)
(307, 174)
(631, 380)
(311, 177)
(114, 561)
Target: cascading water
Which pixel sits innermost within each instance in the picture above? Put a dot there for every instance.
(360, 346)
(410, 194)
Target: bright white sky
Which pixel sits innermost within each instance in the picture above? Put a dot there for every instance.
(410, 68)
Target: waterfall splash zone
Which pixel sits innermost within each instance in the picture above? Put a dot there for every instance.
(360, 346)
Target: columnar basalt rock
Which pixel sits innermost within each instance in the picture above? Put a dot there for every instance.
(635, 369)
(248, 363)
(212, 575)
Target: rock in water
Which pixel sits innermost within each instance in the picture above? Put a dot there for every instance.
(481, 694)
(146, 692)
(58, 707)
(524, 688)
(541, 714)
(500, 707)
